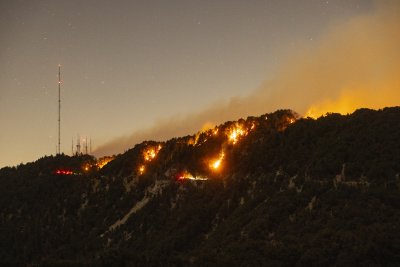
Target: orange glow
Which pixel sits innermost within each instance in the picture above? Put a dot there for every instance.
(216, 164)
(101, 162)
(150, 153)
(352, 98)
(207, 126)
(235, 133)
(87, 166)
(141, 169)
(194, 140)
(187, 176)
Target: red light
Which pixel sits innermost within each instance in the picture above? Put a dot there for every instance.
(64, 172)
(180, 178)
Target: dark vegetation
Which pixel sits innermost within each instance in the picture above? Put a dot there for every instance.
(320, 192)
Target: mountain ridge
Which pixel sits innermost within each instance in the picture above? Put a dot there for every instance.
(286, 191)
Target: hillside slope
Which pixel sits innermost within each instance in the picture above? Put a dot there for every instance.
(272, 190)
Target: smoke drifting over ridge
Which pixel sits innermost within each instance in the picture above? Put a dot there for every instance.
(355, 64)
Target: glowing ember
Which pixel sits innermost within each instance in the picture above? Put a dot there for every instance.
(141, 169)
(150, 154)
(216, 164)
(187, 176)
(87, 166)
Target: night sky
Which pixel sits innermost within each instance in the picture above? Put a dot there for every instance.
(127, 65)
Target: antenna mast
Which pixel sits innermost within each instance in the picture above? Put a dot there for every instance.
(86, 145)
(59, 109)
(78, 146)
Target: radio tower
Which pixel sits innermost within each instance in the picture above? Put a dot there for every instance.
(86, 145)
(59, 109)
(78, 146)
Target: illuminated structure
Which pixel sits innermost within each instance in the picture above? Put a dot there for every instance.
(78, 145)
(86, 144)
(59, 110)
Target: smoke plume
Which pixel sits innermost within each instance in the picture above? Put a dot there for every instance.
(355, 64)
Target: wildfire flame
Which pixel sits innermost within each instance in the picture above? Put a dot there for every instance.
(187, 176)
(150, 153)
(216, 164)
(142, 169)
(235, 133)
(103, 161)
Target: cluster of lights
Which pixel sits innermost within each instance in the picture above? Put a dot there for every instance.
(64, 172)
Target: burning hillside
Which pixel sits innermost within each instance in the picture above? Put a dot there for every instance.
(211, 151)
(271, 184)
(149, 154)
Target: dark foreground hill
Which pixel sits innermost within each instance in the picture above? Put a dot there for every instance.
(272, 190)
